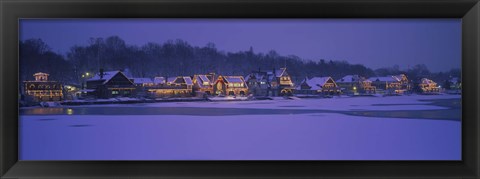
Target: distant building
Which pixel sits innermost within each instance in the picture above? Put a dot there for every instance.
(159, 81)
(258, 83)
(230, 85)
(455, 83)
(366, 87)
(110, 84)
(43, 90)
(203, 84)
(355, 84)
(428, 86)
(142, 82)
(270, 83)
(318, 85)
(181, 86)
(397, 84)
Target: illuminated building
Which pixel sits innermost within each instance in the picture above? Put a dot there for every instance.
(181, 86)
(230, 85)
(270, 83)
(318, 85)
(355, 84)
(397, 84)
(203, 84)
(110, 84)
(43, 90)
(428, 86)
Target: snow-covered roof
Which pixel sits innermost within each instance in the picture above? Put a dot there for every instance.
(428, 81)
(188, 80)
(106, 76)
(278, 72)
(316, 83)
(171, 79)
(453, 80)
(159, 80)
(202, 81)
(142, 80)
(259, 76)
(182, 80)
(384, 78)
(204, 78)
(40, 74)
(87, 90)
(234, 79)
(398, 77)
(349, 79)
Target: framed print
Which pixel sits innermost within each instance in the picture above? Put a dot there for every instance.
(240, 89)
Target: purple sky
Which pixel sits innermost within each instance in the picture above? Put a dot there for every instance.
(372, 42)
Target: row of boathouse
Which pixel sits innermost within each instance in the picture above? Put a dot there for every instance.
(109, 84)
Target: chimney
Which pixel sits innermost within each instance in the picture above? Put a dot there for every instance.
(101, 73)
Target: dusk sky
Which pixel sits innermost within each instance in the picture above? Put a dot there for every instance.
(374, 43)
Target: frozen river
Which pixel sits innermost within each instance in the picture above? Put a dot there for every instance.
(345, 128)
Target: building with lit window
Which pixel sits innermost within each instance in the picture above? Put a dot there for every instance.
(318, 85)
(203, 84)
(397, 84)
(142, 82)
(258, 83)
(356, 85)
(428, 86)
(41, 89)
(270, 83)
(180, 86)
(110, 84)
(230, 85)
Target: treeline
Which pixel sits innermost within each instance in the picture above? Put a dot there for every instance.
(174, 58)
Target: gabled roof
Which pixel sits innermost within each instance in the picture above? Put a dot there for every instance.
(278, 72)
(182, 80)
(40, 74)
(453, 80)
(428, 81)
(107, 76)
(171, 79)
(159, 80)
(187, 80)
(384, 78)
(204, 78)
(349, 79)
(201, 79)
(142, 80)
(234, 79)
(398, 77)
(259, 76)
(316, 83)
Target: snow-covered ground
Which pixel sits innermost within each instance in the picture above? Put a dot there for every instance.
(302, 136)
(413, 102)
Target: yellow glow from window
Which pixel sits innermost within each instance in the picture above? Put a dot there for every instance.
(69, 111)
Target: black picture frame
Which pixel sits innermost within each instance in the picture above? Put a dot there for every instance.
(467, 10)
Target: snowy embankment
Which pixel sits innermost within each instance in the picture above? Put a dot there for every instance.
(230, 98)
(325, 136)
(413, 102)
(126, 100)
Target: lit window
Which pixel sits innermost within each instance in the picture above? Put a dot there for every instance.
(114, 92)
